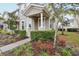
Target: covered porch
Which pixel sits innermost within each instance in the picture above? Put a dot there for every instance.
(40, 21)
(39, 16)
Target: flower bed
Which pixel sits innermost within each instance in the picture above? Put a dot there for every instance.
(33, 48)
(39, 48)
(7, 39)
(43, 46)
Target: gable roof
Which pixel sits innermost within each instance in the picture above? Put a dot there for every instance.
(35, 9)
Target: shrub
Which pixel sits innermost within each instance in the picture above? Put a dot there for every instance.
(61, 41)
(43, 46)
(23, 50)
(21, 33)
(65, 51)
(2, 31)
(42, 35)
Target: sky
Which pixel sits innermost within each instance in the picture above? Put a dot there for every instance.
(7, 7)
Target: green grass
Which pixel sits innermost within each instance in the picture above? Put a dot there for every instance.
(72, 37)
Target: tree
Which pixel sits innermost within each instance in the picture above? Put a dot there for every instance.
(58, 11)
(12, 21)
(1, 18)
(55, 14)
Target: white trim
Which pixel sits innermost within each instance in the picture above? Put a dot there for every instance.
(41, 14)
(31, 5)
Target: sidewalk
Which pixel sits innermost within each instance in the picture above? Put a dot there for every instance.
(14, 45)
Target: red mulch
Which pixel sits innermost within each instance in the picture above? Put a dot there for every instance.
(62, 40)
(46, 46)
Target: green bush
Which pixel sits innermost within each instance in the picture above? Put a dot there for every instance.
(42, 35)
(65, 51)
(4, 32)
(23, 50)
(21, 33)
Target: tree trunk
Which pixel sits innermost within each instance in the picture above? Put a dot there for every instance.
(62, 25)
(55, 36)
(62, 30)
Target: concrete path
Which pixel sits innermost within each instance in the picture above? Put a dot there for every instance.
(14, 45)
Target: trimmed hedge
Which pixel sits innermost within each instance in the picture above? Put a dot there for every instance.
(21, 33)
(42, 35)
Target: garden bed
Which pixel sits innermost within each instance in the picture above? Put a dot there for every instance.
(8, 38)
(39, 48)
(44, 47)
(35, 48)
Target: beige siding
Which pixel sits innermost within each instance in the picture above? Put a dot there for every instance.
(46, 24)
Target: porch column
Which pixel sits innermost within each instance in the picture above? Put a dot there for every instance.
(41, 27)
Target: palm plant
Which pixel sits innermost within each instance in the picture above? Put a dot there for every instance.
(58, 10)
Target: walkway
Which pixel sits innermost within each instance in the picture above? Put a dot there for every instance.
(13, 45)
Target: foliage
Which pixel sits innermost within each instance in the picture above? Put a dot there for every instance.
(10, 40)
(42, 35)
(4, 32)
(7, 41)
(1, 18)
(65, 51)
(23, 50)
(34, 48)
(21, 33)
(43, 46)
(61, 41)
(43, 53)
(12, 16)
(72, 37)
(12, 24)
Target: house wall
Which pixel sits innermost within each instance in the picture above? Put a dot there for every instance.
(46, 23)
(74, 24)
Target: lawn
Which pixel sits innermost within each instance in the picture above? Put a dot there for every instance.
(72, 37)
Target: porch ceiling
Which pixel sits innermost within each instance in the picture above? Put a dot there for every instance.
(38, 15)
